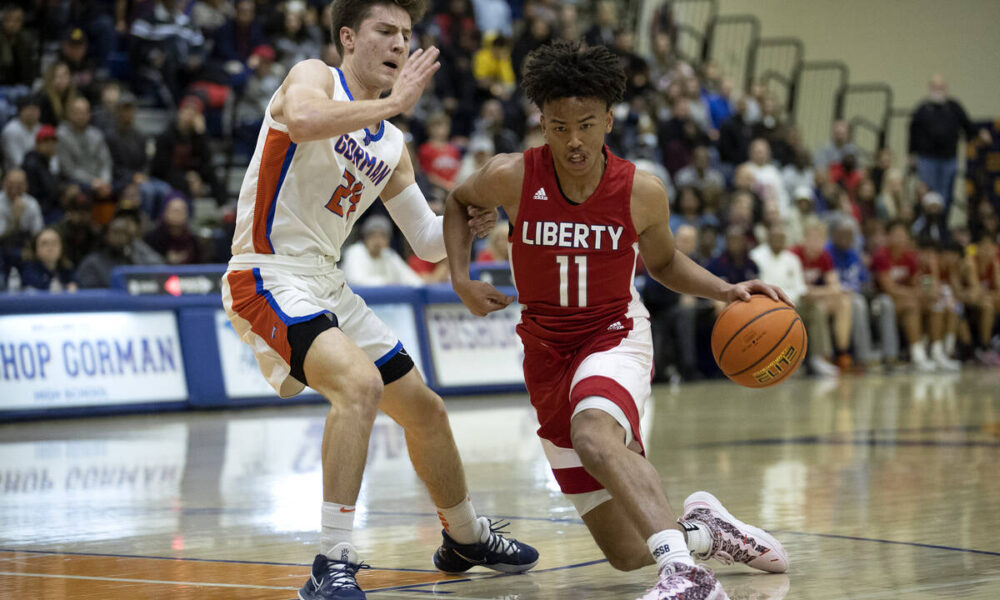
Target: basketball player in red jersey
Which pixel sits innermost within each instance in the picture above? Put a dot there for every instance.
(580, 217)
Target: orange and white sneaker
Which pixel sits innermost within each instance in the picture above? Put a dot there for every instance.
(683, 582)
(732, 539)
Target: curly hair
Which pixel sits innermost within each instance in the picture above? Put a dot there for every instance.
(351, 13)
(566, 69)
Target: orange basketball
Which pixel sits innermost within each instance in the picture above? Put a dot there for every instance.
(758, 343)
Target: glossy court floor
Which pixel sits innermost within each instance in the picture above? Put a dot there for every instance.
(879, 487)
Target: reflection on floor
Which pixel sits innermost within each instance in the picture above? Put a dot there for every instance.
(880, 487)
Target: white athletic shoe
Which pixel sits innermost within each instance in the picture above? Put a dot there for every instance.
(683, 582)
(732, 539)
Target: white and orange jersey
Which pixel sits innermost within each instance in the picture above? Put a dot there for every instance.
(301, 200)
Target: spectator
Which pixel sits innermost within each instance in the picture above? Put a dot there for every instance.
(57, 92)
(84, 157)
(688, 211)
(172, 239)
(20, 216)
(18, 50)
(371, 262)
(735, 135)
(40, 165)
(183, 158)
(708, 245)
(164, 49)
(847, 175)
(73, 52)
(883, 164)
(700, 174)
(672, 318)
(491, 124)
(602, 32)
(298, 40)
(478, 153)
(209, 15)
(439, 158)
(679, 136)
(492, 68)
(771, 128)
(455, 25)
(896, 272)
(932, 223)
(855, 281)
(497, 248)
(839, 146)
(103, 115)
(265, 80)
(986, 265)
(824, 291)
(891, 202)
(769, 182)
(493, 16)
(128, 155)
(79, 233)
(235, 40)
(567, 24)
(536, 33)
(637, 82)
(734, 263)
(662, 61)
(18, 136)
(934, 130)
(95, 269)
(799, 172)
(49, 270)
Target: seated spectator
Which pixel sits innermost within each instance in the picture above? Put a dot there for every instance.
(837, 148)
(140, 251)
(236, 40)
(799, 172)
(371, 262)
(18, 50)
(897, 273)
(493, 16)
(709, 245)
(602, 32)
(79, 233)
(823, 292)
(804, 206)
(118, 250)
(45, 182)
(491, 123)
(933, 222)
(741, 213)
(163, 50)
(49, 270)
(942, 322)
(637, 81)
(769, 182)
(672, 318)
(847, 174)
(73, 52)
(982, 292)
(882, 165)
(735, 135)
(209, 15)
(455, 24)
(867, 200)
(700, 173)
(770, 127)
(264, 81)
(855, 280)
(131, 162)
(18, 136)
(183, 158)
(536, 33)
(20, 216)
(891, 202)
(688, 211)
(84, 157)
(492, 68)
(298, 40)
(734, 263)
(679, 136)
(103, 115)
(172, 239)
(439, 158)
(480, 151)
(496, 249)
(56, 94)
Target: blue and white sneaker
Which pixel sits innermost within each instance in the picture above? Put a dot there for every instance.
(492, 551)
(334, 579)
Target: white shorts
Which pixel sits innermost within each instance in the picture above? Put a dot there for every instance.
(263, 301)
(617, 382)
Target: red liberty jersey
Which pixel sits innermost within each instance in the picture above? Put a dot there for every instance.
(574, 264)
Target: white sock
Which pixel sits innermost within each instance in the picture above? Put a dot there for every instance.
(949, 343)
(460, 522)
(338, 524)
(917, 352)
(699, 538)
(937, 350)
(668, 546)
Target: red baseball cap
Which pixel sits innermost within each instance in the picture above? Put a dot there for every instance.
(45, 132)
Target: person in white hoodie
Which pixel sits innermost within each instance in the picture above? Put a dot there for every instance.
(371, 262)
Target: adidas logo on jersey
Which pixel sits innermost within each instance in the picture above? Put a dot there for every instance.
(540, 194)
(616, 326)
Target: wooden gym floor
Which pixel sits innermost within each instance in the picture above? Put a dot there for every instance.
(879, 487)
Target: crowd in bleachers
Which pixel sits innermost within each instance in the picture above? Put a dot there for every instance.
(126, 124)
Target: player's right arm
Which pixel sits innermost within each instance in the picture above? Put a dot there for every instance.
(498, 183)
(306, 106)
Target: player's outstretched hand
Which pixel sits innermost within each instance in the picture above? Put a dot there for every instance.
(742, 291)
(482, 298)
(412, 80)
(482, 220)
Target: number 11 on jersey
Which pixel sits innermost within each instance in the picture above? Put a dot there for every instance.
(581, 279)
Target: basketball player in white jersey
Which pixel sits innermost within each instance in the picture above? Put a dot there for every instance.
(324, 154)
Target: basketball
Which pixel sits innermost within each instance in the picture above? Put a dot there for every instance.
(758, 343)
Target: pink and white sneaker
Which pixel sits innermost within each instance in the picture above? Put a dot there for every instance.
(683, 582)
(732, 539)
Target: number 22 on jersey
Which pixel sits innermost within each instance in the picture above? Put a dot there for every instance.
(349, 189)
(580, 261)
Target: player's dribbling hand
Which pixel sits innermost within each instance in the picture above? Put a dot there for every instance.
(482, 298)
(417, 71)
(743, 291)
(482, 220)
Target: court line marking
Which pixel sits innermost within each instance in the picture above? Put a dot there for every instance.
(154, 581)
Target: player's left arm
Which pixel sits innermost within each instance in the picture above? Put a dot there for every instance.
(675, 270)
(422, 228)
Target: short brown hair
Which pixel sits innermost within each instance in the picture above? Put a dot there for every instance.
(351, 13)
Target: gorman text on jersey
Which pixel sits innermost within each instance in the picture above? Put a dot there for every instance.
(373, 168)
(570, 235)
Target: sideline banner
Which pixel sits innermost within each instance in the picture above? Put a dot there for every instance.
(469, 350)
(89, 359)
